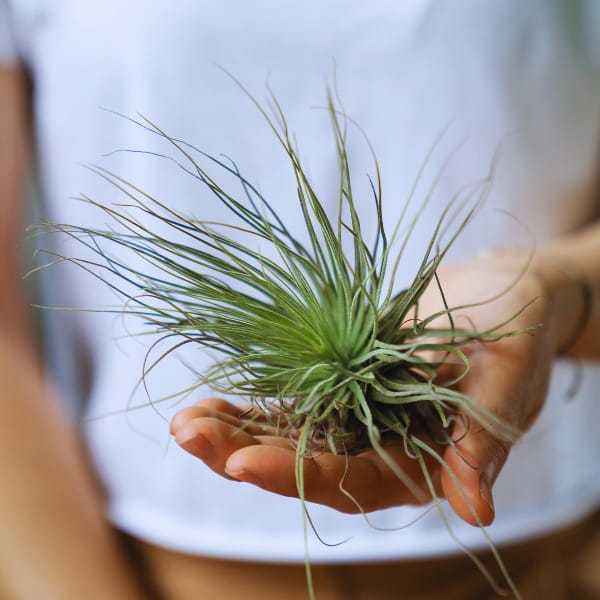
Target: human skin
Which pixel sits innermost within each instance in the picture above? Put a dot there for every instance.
(508, 377)
(56, 543)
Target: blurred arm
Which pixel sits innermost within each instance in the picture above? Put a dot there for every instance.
(55, 542)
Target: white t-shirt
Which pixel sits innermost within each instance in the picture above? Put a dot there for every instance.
(523, 75)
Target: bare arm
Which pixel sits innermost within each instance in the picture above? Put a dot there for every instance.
(564, 266)
(55, 542)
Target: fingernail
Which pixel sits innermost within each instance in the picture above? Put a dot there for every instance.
(241, 474)
(485, 491)
(194, 442)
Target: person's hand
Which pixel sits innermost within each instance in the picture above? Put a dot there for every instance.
(508, 377)
(233, 442)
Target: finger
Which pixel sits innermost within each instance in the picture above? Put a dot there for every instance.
(478, 455)
(475, 463)
(244, 411)
(183, 417)
(368, 482)
(244, 416)
(274, 440)
(200, 408)
(508, 379)
(222, 406)
(213, 441)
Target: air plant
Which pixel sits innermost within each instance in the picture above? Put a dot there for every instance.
(313, 334)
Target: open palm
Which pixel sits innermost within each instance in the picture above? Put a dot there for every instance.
(508, 377)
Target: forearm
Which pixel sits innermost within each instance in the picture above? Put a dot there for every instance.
(55, 540)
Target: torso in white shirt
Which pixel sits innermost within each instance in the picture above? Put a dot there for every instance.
(526, 78)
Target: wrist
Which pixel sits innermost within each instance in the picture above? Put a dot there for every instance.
(569, 299)
(559, 283)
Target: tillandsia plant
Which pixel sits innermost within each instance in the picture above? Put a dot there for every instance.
(314, 335)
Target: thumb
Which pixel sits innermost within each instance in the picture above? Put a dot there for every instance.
(475, 461)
